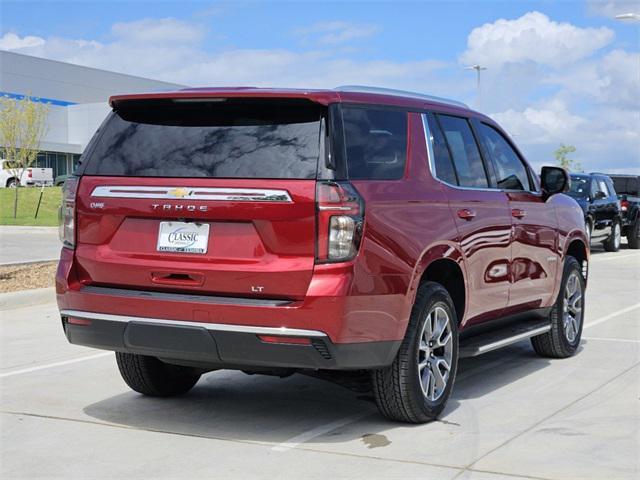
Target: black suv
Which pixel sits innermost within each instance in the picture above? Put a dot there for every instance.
(596, 194)
(627, 187)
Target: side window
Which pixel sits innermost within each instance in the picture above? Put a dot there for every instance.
(602, 186)
(594, 187)
(464, 150)
(441, 157)
(510, 170)
(375, 142)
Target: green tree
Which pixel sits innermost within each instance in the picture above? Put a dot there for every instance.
(562, 157)
(22, 126)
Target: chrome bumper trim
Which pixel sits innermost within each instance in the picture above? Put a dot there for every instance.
(219, 327)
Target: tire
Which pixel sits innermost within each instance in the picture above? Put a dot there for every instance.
(13, 183)
(152, 377)
(612, 244)
(587, 230)
(399, 390)
(561, 341)
(633, 235)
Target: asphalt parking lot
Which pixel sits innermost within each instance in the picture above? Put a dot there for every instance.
(67, 414)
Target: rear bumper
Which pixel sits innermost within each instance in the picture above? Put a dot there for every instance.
(210, 345)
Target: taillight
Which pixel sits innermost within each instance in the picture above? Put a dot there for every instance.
(67, 213)
(340, 211)
(624, 205)
(29, 173)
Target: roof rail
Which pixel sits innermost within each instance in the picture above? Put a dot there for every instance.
(400, 93)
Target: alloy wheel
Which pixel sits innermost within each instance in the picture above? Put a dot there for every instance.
(572, 307)
(435, 352)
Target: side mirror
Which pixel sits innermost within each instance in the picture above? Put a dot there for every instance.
(554, 180)
(599, 195)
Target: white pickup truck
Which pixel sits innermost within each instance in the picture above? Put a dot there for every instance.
(30, 176)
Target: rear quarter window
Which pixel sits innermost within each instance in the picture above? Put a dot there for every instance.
(375, 142)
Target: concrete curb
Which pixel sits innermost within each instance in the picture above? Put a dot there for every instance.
(30, 262)
(27, 298)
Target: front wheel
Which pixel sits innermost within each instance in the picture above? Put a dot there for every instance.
(612, 244)
(416, 386)
(566, 316)
(153, 377)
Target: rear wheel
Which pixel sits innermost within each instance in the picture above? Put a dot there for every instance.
(567, 316)
(12, 183)
(633, 235)
(417, 385)
(612, 244)
(153, 377)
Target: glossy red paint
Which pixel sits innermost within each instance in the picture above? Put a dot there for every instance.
(509, 262)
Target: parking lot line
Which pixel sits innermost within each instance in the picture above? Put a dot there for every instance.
(55, 364)
(317, 431)
(624, 340)
(611, 315)
(614, 257)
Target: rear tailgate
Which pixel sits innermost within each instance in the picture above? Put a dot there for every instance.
(236, 182)
(254, 247)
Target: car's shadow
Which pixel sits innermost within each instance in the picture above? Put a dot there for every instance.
(233, 406)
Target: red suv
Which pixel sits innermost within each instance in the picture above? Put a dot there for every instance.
(315, 231)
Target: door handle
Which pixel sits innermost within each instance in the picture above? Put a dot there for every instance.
(518, 213)
(466, 214)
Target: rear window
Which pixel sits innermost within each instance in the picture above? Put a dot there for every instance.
(626, 185)
(375, 142)
(221, 138)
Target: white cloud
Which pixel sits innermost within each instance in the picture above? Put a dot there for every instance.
(548, 82)
(11, 41)
(158, 31)
(613, 79)
(606, 139)
(335, 33)
(550, 121)
(533, 37)
(611, 8)
(172, 50)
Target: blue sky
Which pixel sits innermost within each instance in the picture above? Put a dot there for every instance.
(559, 71)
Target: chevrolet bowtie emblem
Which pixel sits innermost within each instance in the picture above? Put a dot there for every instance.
(179, 192)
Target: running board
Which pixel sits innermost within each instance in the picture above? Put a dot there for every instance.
(487, 342)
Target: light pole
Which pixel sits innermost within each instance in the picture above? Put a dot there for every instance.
(628, 16)
(477, 68)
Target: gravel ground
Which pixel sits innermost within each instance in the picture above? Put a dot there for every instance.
(26, 277)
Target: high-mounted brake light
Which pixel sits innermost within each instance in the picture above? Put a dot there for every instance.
(67, 213)
(340, 211)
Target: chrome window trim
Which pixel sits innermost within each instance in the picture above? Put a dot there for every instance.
(219, 327)
(428, 137)
(192, 193)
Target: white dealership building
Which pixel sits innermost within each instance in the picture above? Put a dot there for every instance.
(77, 98)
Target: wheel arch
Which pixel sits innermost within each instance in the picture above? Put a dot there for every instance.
(444, 264)
(6, 184)
(577, 248)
